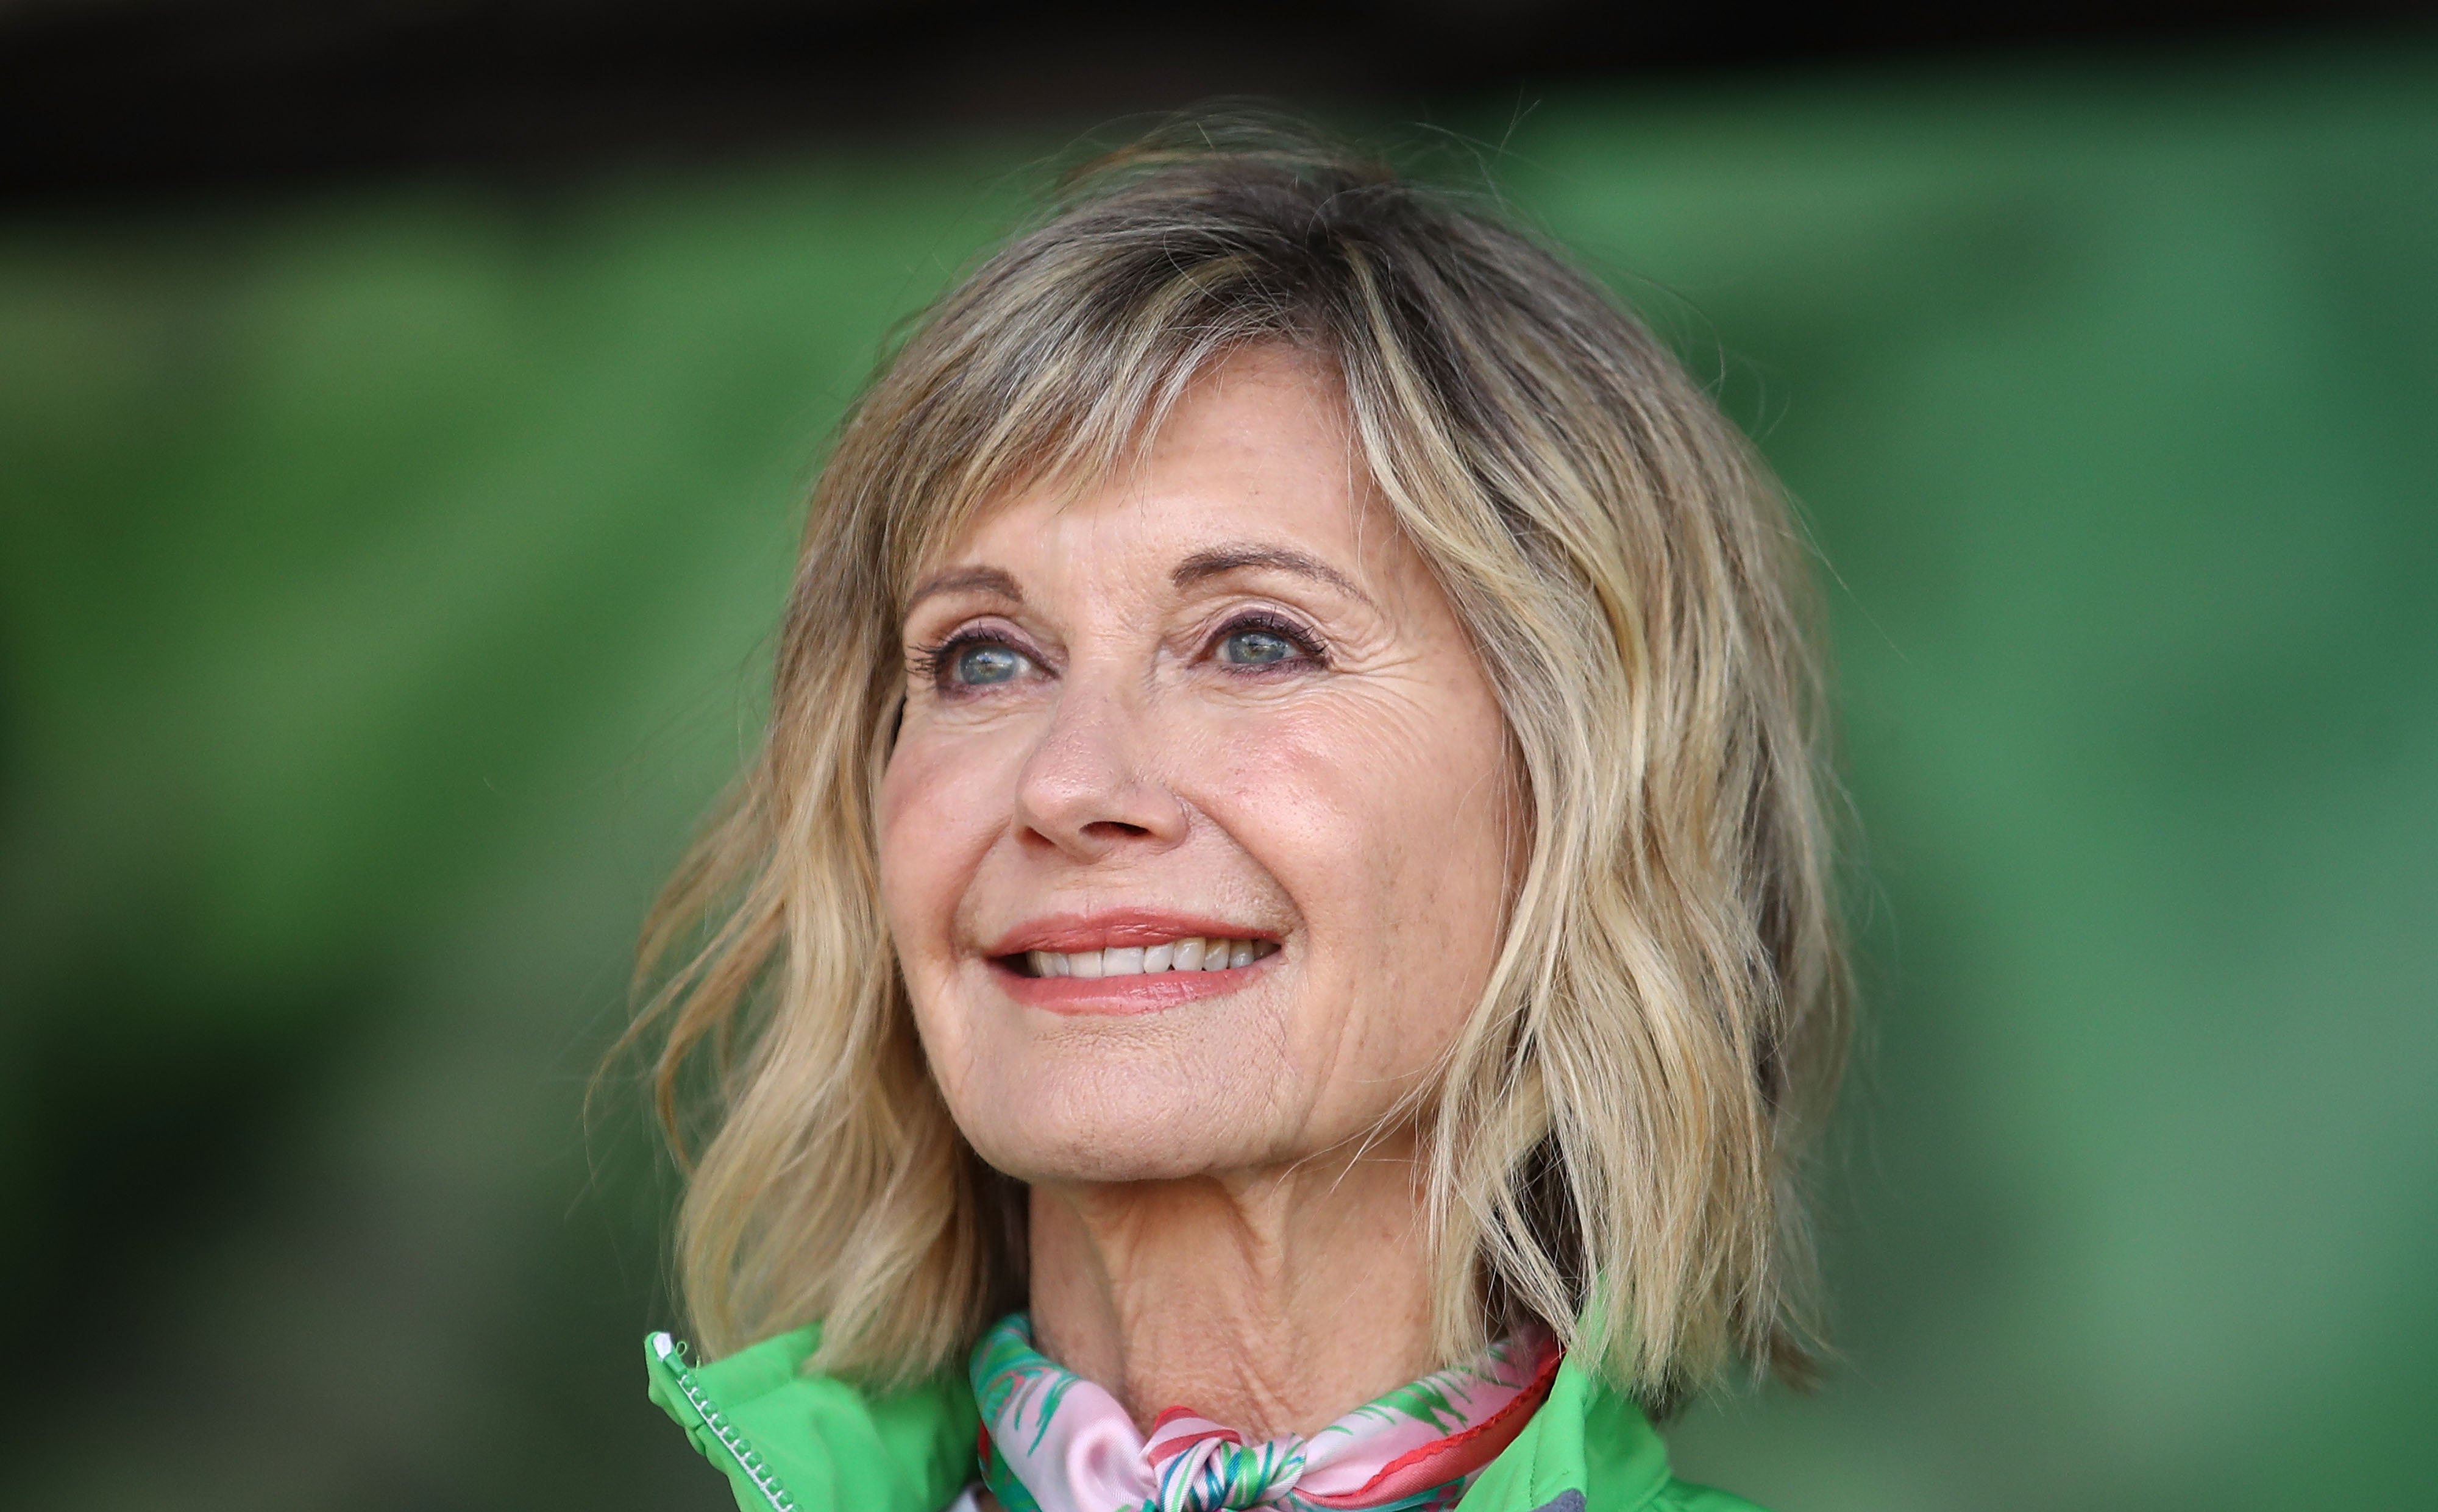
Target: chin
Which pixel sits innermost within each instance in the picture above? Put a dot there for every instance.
(1079, 1124)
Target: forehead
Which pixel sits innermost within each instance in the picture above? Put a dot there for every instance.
(1255, 450)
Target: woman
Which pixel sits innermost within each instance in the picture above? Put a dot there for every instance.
(1279, 950)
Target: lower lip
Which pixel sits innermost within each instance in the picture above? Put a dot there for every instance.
(1112, 996)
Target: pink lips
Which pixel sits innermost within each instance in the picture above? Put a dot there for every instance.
(1149, 993)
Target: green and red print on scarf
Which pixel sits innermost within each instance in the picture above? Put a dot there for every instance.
(1054, 1442)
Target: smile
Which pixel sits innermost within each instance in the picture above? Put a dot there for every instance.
(1123, 961)
(1192, 953)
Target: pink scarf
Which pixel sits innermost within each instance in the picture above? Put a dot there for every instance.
(1054, 1442)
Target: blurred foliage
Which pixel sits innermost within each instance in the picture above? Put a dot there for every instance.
(383, 586)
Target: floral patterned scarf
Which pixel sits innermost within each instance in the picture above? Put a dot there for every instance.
(1054, 1442)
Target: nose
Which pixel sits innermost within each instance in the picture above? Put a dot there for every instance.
(1088, 788)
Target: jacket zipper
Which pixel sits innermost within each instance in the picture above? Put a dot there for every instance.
(672, 1354)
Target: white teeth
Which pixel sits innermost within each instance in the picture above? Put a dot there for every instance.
(1147, 960)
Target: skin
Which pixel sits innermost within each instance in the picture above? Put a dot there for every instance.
(1225, 1213)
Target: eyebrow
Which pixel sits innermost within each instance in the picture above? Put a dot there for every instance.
(967, 580)
(1223, 559)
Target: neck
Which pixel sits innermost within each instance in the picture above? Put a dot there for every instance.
(1274, 1302)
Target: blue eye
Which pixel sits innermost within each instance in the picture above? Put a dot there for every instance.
(977, 665)
(1256, 648)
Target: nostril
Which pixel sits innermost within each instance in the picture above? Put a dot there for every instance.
(1114, 829)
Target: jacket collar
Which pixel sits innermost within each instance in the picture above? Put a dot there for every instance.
(794, 1442)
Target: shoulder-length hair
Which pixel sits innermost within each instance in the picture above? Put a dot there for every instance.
(1612, 1141)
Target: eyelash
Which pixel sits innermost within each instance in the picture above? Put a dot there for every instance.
(928, 664)
(1304, 641)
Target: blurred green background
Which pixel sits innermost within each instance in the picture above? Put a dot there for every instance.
(384, 574)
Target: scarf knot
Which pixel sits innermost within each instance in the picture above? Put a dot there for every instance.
(1201, 1467)
(1054, 1442)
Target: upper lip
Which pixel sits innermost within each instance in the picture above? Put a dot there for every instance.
(1073, 932)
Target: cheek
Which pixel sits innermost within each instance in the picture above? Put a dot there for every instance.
(935, 821)
(1444, 843)
(1386, 819)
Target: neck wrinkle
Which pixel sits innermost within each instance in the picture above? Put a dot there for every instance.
(1274, 1302)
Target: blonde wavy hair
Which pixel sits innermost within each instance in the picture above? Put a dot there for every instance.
(1613, 1144)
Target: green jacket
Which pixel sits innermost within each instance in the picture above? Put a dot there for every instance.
(792, 1442)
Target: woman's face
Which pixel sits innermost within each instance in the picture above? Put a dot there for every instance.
(1197, 831)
